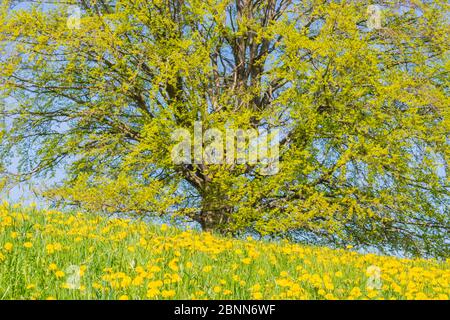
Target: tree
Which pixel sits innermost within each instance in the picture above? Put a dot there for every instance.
(358, 94)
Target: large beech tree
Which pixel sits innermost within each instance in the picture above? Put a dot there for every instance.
(361, 101)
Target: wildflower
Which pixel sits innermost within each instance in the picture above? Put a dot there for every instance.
(50, 248)
(123, 297)
(257, 295)
(338, 274)
(97, 285)
(155, 284)
(329, 296)
(246, 261)
(168, 293)
(173, 264)
(356, 292)
(59, 274)
(8, 246)
(82, 270)
(155, 269)
(138, 281)
(52, 267)
(28, 245)
(207, 269)
(152, 292)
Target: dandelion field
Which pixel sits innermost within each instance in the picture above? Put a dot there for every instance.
(53, 255)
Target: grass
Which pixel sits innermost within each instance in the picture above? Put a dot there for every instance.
(54, 255)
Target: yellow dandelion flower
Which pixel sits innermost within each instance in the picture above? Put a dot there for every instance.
(372, 294)
(173, 264)
(168, 293)
(50, 248)
(8, 246)
(52, 267)
(257, 295)
(59, 274)
(207, 268)
(28, 245)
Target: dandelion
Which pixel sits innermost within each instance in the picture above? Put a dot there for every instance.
(173, 264)
(50, 248)
(329, 296)
(207, 269)
(168, 293)
(227, 292)
(52, 267)
(8, 246)
(28, 245)
(257, 295)
(138, 281)
(59, 274)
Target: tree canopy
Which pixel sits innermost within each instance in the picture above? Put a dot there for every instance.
(362, 111)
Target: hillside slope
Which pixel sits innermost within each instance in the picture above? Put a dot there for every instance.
(49, 254)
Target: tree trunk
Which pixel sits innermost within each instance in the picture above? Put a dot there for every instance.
(215, 218)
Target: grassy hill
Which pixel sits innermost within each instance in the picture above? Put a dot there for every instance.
(54, 255)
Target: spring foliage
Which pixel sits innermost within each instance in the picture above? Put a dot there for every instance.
(364, 113)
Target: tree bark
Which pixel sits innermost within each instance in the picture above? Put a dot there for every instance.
(214, 217)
